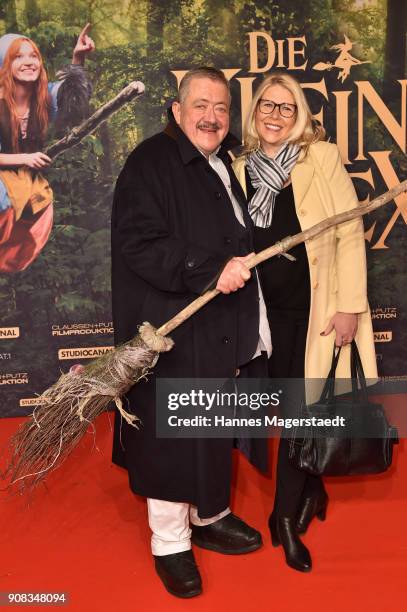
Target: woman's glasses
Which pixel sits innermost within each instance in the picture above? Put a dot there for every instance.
(284, 108)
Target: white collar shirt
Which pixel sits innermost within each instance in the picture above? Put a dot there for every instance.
(264, 343)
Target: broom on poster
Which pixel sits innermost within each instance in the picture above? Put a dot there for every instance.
(88, 126)
(66, 410)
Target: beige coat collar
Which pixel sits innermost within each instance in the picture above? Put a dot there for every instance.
(301, 177)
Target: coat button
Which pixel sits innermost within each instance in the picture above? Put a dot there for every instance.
(302, 212)
(218, 195)
(190, 263)
(228, 240)
(314, 261)
(225, 340)
(315, 285)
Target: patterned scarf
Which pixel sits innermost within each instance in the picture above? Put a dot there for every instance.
(268, 176)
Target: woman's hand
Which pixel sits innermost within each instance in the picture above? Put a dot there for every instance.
(84, 45)
(36, 160)
(345, 325)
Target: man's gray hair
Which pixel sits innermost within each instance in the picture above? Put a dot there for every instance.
(204, 72)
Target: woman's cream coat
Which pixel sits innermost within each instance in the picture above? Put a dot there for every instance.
(337, 258)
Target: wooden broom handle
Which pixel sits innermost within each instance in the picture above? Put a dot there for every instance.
(283, 246)
(89, 125)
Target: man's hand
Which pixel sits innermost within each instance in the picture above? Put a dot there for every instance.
(345, 325)
(234, 274)
(84, 45)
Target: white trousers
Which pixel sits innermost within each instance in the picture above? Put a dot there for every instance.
(170, 524)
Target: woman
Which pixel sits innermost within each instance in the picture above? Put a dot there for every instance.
(293, 180)
(28, 103)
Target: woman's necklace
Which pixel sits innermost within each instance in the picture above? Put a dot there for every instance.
(23, 121)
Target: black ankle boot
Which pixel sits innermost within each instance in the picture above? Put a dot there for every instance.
(283, 532)
(312, 505)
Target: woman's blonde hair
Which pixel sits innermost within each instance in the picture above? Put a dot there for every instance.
(305, 130)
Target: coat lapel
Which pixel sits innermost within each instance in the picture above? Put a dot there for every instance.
(301, 177)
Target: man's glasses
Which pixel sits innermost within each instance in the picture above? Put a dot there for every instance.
(284, 108)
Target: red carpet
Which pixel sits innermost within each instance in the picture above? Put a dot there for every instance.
(87, 535)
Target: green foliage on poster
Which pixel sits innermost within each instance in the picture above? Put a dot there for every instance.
(69, 283)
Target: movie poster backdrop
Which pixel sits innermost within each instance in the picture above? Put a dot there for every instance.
(350, 57)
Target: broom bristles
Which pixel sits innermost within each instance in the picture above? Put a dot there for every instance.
(65, 410)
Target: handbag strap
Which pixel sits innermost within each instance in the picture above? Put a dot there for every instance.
(329, 386)
(359, 387)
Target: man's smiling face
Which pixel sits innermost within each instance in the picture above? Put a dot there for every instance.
(204, 113)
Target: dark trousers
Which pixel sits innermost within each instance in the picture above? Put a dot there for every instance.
(287, 361)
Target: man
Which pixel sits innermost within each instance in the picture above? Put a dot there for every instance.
(179, 226)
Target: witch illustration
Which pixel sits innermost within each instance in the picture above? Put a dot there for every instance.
(344, 62)
(28, 105)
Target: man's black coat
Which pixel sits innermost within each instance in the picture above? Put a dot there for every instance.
(173, 230)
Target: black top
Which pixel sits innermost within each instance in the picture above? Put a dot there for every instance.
(285, 283)
(173, 231)
(32, 142)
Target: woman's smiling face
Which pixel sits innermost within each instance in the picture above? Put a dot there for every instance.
(26, 65)
(273, 128)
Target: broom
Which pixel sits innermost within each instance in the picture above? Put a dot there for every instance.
(64, 411)
(89, 125)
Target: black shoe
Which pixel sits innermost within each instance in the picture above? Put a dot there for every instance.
(179, 574)
(283, 532)
(312, 505)
(229, 535)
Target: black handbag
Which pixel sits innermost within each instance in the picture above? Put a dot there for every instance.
(363, 446)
